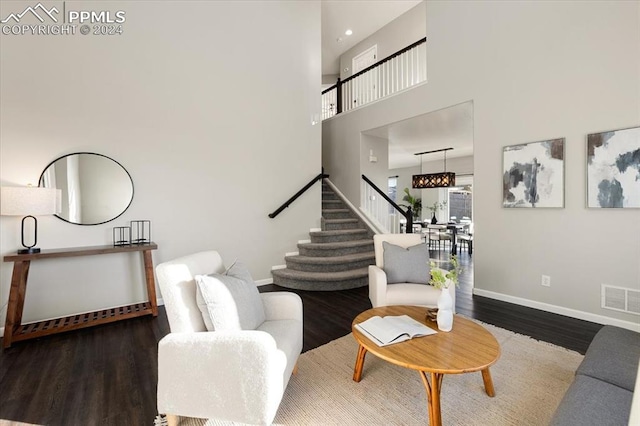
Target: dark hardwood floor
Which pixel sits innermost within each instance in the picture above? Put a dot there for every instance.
(107, 375)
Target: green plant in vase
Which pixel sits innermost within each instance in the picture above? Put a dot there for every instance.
(440, 277)
(435, 207)
(414, 202)
(442, 280)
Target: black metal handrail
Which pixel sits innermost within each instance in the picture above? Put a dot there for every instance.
(407, 215)
(321, 176)
(339, 83)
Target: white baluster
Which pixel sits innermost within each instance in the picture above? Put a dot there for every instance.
(385, 79)
(346, 96)
(423, 61)
(414, 66)
(405, 65)
(396, 74)
(365, 89)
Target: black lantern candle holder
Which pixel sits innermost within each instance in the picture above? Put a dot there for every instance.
(122, 236)
(141, 232)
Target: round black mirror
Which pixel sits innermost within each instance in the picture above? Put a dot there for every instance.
(95, 188)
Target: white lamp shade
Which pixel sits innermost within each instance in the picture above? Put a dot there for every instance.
(26, 200)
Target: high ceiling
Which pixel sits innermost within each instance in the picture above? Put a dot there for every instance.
(448, 127)
(363, 17)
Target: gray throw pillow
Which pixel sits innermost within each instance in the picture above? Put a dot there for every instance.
(230, 301)
(406, 265)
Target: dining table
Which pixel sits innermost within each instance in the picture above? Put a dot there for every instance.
(454, 228)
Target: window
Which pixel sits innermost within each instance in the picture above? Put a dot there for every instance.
(461, 203)
(392, 191)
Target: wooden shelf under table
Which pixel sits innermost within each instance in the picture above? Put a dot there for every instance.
(75, 322)
(16, 331)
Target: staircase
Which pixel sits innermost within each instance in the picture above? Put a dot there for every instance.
(336, 258)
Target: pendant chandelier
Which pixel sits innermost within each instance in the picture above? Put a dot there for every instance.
(434, 180)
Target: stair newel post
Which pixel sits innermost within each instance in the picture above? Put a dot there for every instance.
(338, 96)
(409, 229)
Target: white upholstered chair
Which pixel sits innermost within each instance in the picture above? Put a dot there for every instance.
(383, 294)
(228, 375)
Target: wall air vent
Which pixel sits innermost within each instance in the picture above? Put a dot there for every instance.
(621, 299)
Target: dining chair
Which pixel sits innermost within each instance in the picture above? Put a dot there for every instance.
(465, 238)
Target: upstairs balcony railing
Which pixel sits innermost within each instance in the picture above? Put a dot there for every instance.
(401, 70)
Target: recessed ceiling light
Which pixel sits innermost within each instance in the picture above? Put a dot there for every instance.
(348, 32)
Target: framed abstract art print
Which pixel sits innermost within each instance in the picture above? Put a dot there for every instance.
(613, 169)
(533, 174)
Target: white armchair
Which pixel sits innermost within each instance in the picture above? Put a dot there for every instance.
(383, 294)
(228, 375)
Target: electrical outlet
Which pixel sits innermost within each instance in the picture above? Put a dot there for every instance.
(546, 281)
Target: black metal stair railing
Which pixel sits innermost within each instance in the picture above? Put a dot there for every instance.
(286, 204)
(408, 214)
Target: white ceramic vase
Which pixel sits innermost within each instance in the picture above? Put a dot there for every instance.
(445, 311)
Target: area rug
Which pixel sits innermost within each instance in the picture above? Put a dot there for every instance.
(530, 379)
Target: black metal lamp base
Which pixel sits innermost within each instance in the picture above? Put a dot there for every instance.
(30, 250)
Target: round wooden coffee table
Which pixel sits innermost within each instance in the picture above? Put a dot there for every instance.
(468, 347)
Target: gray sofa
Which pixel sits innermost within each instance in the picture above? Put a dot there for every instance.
(602, 391)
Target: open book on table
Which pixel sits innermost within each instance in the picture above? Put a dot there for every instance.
(388, 330)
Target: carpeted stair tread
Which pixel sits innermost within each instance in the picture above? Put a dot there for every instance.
(336, 232)
(350, 220)
(332, 205)
(334, 262)
(336, 248)
(322, 276)
(341, 223)
(333, 259)
(337, 214)
(338, 244)
(338, 235)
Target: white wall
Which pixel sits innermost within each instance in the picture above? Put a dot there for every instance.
(208, 105)
(378, 171)
(398, 34)
(534, 70)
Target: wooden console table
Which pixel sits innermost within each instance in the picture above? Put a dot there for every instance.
(14, 331)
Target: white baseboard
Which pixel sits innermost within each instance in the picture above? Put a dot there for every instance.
(293, 253)
(315, 230)
(573, 313)
(304, 241)
(274, 267)
(264, 282)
